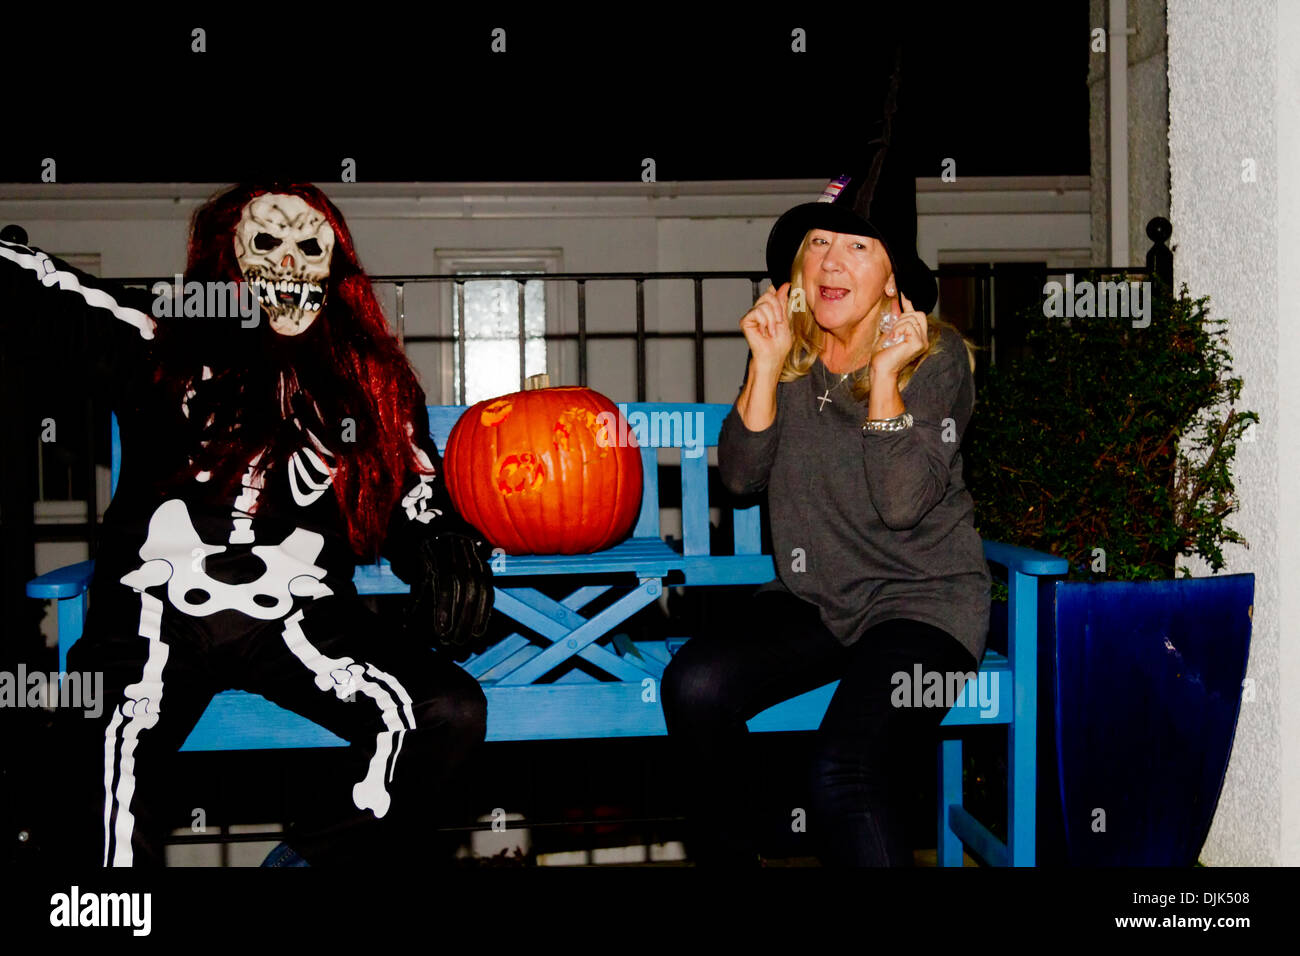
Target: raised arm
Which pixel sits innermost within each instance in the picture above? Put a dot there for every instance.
(909, 470)
(27, 273)
(747, 441)
(38, 288)
(745, 453)
(437, 552)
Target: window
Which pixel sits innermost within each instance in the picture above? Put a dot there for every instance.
(988, 303)
(500, 347)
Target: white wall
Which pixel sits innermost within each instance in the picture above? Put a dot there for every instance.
(1234, 94)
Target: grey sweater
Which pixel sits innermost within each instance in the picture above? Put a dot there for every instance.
(870, 526)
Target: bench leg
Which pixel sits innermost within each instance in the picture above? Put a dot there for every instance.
(1022, 772)
(949, 847)
(71, 618)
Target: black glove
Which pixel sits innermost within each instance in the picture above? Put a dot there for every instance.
(451, 594)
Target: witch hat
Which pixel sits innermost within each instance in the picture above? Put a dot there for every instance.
(877, 200)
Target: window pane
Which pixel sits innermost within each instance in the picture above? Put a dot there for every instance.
(491, 310)
(492, 335)
(493, 367)
(535, 309)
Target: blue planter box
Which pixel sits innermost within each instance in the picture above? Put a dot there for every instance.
(1139, 691)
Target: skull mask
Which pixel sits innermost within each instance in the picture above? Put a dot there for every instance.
(283, 246)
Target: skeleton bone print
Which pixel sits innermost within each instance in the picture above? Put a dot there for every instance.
(175, 555)
(416, 501)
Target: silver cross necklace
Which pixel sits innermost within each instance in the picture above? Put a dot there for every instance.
(825, 397)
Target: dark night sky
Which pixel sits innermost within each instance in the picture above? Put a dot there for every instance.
(1000, 88)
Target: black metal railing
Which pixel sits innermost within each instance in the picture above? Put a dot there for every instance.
(583, 336)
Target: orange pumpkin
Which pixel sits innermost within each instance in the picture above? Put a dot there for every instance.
(542, 471)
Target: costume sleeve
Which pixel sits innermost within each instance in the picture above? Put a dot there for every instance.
(745, 457)
(425, 509)
(27, 272)
(37, 288)
(908, 471)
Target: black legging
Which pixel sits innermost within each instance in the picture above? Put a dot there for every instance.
(778, 650)
(412, 716)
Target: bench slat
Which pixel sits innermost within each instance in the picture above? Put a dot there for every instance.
(237, 720)
(647, 522)
(695, 504)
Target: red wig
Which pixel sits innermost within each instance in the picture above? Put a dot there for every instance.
(346, 365)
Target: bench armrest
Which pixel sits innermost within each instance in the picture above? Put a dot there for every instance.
(66, 582)
(1024, 560)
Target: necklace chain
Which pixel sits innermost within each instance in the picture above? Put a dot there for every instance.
(825, 398)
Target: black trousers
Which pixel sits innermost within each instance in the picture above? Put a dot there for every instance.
(865, 746)
(411, 716)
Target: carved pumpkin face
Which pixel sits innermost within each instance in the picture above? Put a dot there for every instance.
(540, 471)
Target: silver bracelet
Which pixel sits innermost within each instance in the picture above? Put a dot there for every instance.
(895, 424)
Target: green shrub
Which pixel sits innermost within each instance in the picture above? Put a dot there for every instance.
(1077, 448)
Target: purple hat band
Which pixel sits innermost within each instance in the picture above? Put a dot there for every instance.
(834, 188)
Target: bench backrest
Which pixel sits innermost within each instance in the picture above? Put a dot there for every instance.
(690, 427)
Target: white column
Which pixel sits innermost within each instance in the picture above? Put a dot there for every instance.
(1117, 103)
(1234, 153)
(1286, 109)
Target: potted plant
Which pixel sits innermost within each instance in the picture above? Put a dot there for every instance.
(1111, 443)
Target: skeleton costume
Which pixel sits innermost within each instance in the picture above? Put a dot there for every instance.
(258, 469)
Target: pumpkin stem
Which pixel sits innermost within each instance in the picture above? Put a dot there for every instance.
(541, 380)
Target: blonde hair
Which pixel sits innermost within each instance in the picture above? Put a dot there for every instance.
(810, 338)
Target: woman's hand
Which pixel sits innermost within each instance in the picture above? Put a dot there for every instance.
(767, 328)
(912, 329)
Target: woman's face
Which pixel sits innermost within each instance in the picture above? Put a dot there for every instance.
(844, 277)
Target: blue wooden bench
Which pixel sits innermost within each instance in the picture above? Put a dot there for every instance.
(626, 701)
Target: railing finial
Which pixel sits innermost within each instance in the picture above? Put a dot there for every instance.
(1160, 261)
